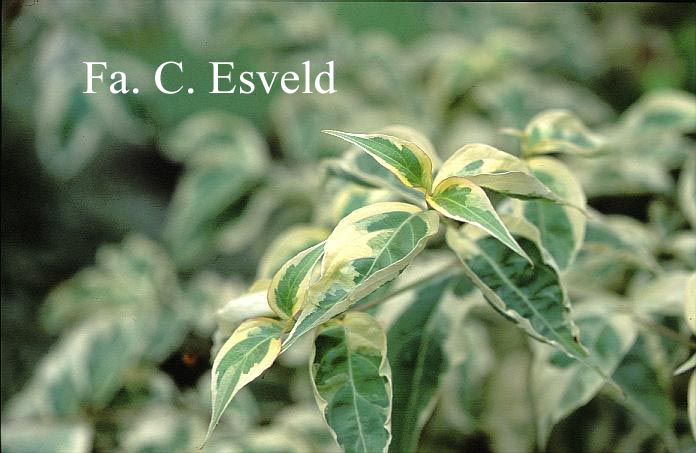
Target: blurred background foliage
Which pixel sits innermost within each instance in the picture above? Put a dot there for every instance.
(128, 221)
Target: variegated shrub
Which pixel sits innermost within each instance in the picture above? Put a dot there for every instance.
(512, 230)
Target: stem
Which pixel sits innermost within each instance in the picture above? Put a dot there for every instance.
(446, 270)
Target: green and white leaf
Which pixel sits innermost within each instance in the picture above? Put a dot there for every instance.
(405, 159)
(562, 227)
(413, 136)
(250, 304)
(347, 197)
(496, 170)
(462, 200)
(351, 380)
(224, 156)
(529, 294)
(367, 248)
(558, 131)
(251, 349)
(288, 289)
(559, 384)
(288, 244)
(661, 111)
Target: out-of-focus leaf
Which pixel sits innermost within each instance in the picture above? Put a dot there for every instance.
(134, 276)
(662, 111)
(460, 199)
(162, 428)
(558, 131)
(224, 156)
(690, 303)
(367, 248)
(645, 394)
(495, 170)
(562, 228)
(86, 367)
(251, 349)
(561, 385)
(529, 294)
(74, 126)
(660, 295)
(288, 289)
(692, 403)
(343, 197)
(416, 352)
(287, 245)
(29, 437)
(687, 190)
(352, 382)
(405, 159)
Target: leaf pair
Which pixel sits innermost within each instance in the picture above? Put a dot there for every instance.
(457, 190)
(368, 248)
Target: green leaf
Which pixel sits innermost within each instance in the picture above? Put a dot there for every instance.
(496, 170)
(645, 394)
(559, 384)
(405, 159)
(558, 131)
(251, 349)
(529, 294)
(288, 289)
(367, 248)
(351, 380)
(462, 200)
(416, 351)
(562, 228)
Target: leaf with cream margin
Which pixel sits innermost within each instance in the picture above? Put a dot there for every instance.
(690, 303)
(289, 286)
(415, 137)
(368, 248)
(558, 131)
(560, 384)
(561, 227)
(251, 349)
(351, 380)
(288, 244)
(462, 200)
(529, 294)
(405, 159)
(495, 170)
(661, 111)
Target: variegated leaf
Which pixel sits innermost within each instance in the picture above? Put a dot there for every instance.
(529, 294)
(560, 385)
(460, 199)
(662, 111)
(405, 159)
(288, 289)
(348, 197)
(495, 170)
(351, 380)
(251, 349)
(558, 131)
(692, 403)
(562, 228)
(366, 249)
(288, 244)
